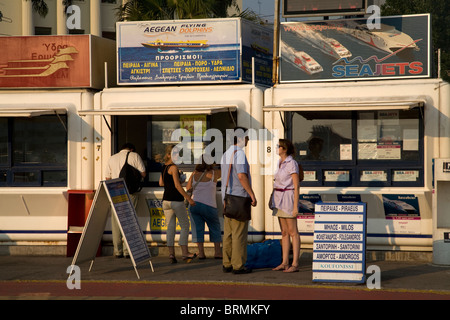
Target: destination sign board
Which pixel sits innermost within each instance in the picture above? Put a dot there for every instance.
(128, 221)
(193, 51)
(339, 242)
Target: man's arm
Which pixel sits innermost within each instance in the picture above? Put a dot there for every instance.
(243, 179)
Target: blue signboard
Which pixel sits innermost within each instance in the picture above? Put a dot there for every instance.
(339, 247)
(192, 51)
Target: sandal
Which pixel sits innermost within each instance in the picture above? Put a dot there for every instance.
(188, 259)
(172, 259)
(291, 269)
(281, 267)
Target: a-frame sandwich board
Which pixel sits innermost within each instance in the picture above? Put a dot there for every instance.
(112, 195)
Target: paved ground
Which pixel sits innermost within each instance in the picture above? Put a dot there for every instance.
(45, 278)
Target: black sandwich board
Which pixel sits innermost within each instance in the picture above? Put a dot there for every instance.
(112, 195)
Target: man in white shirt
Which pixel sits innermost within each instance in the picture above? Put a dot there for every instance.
(115, 164)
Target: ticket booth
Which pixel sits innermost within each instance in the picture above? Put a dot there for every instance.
(202, 76)
(342, 143)
(147, 117)
(366, 119)
(45, 146)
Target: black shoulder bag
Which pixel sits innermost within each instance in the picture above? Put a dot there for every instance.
(132, 177)
(236, 207)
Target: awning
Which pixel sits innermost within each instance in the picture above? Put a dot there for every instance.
(27, 112)
(158, 110)
(347, 106)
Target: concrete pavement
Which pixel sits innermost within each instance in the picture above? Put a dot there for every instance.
(44, 278)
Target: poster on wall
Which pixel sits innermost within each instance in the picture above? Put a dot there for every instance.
(338, 50)
(306, 208)
(157, 217)
(192, 51)
(402, 213)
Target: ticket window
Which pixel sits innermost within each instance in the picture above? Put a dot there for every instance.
(359, 148)
(151, 135)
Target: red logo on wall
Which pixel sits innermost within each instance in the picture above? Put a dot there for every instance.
(45, 62)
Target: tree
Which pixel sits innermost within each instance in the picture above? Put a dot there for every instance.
(440, 24)
(141, 10)
(40, 6)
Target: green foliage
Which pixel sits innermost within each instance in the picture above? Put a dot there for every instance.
(40, 7)
(440, 24)
(141, 10)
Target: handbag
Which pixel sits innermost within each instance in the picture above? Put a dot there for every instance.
(236, 207)
(132, 177)
(271, 206)
(191, 190)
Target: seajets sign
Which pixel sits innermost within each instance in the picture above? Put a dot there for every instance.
(384, 69)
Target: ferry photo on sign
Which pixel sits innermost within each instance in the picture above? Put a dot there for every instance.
(349, 50)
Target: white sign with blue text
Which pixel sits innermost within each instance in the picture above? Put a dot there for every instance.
(339, 242)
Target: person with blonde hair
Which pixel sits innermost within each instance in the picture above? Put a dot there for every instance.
(173, 205)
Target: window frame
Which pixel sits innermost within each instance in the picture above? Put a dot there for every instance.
(11, 168)
(356, 166)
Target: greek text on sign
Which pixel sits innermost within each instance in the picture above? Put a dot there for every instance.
(339, 208)
(339, 242)
(339, 227)
(338, 236)
(338, 246)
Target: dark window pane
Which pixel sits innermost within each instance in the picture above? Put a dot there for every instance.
(39, 140)
(54, 177)
(322, 136)
(3, 141)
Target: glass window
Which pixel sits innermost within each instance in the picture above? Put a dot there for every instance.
(33, 151)
(389, 135)
(3, 141)
(39, 140)
(359, 148)
(3, 176)
(151, 135)
(322, 136)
